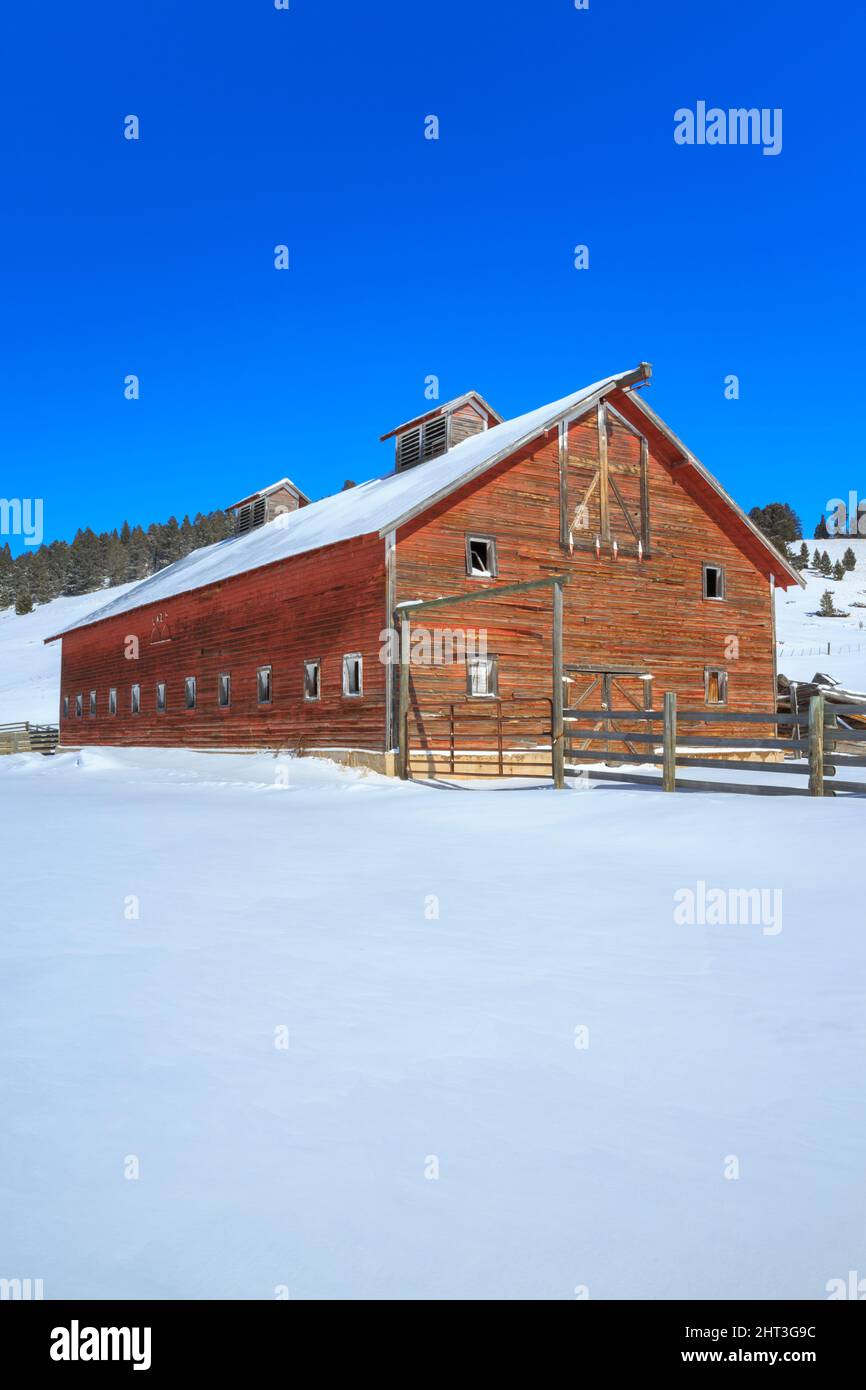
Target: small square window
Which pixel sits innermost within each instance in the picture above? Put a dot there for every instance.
(65, 706)
(160, 697)
(715, 686)
(79, 705)
(312, 678)
(112, 700)
(224, 690)
(263, 685)
(92, 704)
(189, 692)
(482, 678)
(481, 557)
(714, 581)
(353, 674)
(135, 699)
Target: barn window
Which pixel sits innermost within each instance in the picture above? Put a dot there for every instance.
(353, 674)
(482, 678)
(714, 581)
(79, 706)
(189, 692)
(135, 699)
(92, 706)
(112, 700)
(224, 690)
(263, 685)
(160, 696)
(426, 441)
(312, 679)
(715, 686)
(481, 556)
(65, 706)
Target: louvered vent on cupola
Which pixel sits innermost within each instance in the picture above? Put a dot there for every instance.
(277, 500)
(428, 436)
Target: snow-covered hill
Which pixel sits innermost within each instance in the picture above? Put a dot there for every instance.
(30, 672)
(803, 637)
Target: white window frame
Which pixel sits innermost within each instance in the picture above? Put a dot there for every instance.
(723, 685)
(316, 664)
(135, 698)
(353, 694)
(91, 705)
(493, 692)
(221, 703)
(79, 704)
(493, 570)
(722, 584)
(65, 706)
(187, 681)
(112, 699)
(161, 701)
(270, 698)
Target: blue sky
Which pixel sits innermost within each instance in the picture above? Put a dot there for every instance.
(409, 256)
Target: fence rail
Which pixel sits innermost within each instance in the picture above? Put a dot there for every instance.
(673, 751)
(468, 738)
(28, 738)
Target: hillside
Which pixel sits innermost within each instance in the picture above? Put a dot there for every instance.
(30, 672)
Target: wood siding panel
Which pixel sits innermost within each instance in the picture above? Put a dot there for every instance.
(319, 605)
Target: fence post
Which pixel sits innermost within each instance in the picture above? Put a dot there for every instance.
(403, 706)
(816, 745)
(669, 764)
(557, 748)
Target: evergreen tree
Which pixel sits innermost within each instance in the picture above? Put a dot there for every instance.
(821, 532)
(7, 576)
(838, 570)
(779, 523)
(23, 599)
(849, 559)
(816, 559)
(826, 565)
(827, 609)
(802, 559)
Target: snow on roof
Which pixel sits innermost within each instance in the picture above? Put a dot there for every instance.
(379, 505)
(443, 410)
(266, 492)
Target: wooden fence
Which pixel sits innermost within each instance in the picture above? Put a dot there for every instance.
(28, 738)
(477, 738)
(660, 741)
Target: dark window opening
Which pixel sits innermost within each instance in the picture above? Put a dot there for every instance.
(112, 700)
(224, 690)
(312, 677)
(160, 696)
(92, 703)
(263, 685)
(189, 692)
(714, 581)
(715, 686)
(481, 556)
(65, 706)
(135, 699)
(353, 674)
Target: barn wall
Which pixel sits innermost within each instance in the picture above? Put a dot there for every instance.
(647, 613)
(322, 604)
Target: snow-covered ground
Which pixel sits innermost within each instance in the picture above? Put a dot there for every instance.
(431, 955)
(439, 1123)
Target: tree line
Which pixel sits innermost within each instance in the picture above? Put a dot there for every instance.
(95, 561)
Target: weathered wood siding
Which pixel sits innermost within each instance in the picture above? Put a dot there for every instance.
(647, 613)
(319, 605)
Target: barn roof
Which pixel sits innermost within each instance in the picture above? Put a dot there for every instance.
(380, 505)
(474, 396)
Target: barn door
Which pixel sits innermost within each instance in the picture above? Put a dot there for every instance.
(612, 693)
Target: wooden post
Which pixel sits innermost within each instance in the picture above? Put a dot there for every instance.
(669, 763)
(816, 745)
(403, 707)
(557, 744)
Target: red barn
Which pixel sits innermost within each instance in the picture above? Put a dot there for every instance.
(277, 637)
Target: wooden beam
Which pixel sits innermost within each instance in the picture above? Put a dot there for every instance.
(669, 738)
(816, 745)
(603, 498)
(556, 734)
(500, 591)
(403, 712)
